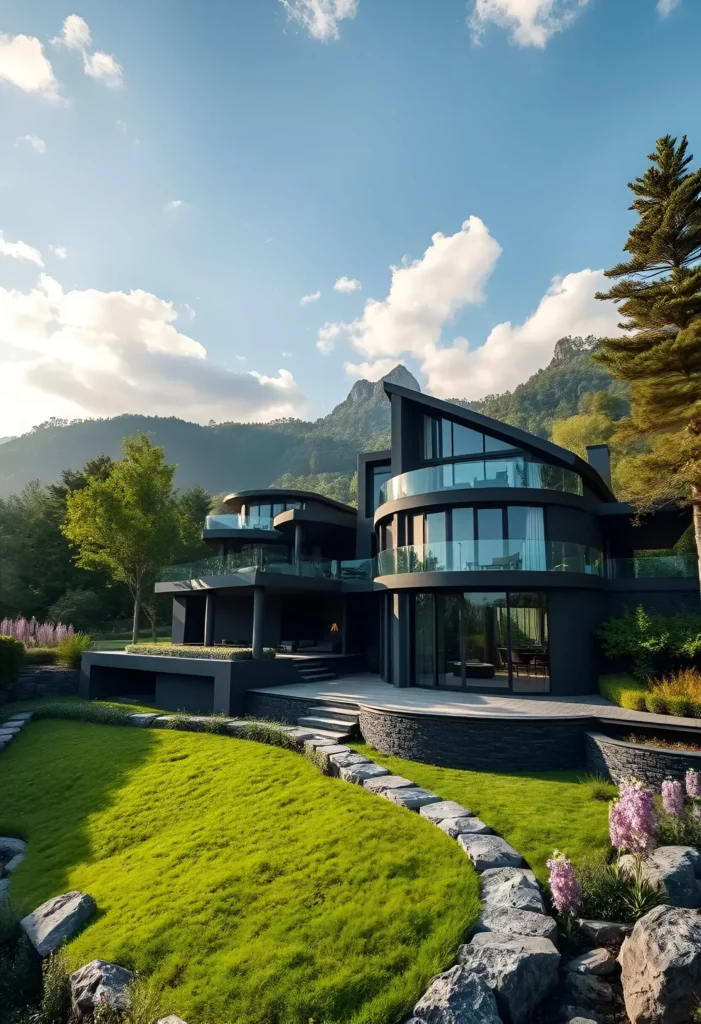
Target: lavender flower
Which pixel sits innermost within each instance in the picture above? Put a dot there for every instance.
(693, 783)
(632, 820)
(33, 633)
(564, 886)
(673, 798)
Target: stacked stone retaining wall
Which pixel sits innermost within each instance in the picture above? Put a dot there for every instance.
(615, 759)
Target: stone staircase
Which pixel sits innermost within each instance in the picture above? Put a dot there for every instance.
(337, 721)
(315, 670)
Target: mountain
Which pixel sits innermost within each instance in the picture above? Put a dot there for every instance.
(219, 457)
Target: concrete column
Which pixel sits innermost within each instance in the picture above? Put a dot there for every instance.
(258, 620)
(209, 618)
(299, 543)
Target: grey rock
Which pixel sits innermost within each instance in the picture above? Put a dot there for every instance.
(513, 894)
(318, 741)
(517, 922)
(386, 782)
(14, 863)
(334, 748)
(21, 716)
(457, 996)
(143, 719)
(661, 966)
(416, 1020)
(322, 753)
(581, 1020)
(97, 979)
(4, 891)
(339, 761)
(358, 773)
(587, 991)
(521, 971)
(411, 797)
(579, 1015)
(597, 961)
(489, 852)
(673, 869)
(442, 809)
(162, 721)
(172, 1019)
(57, 920)
(11, 847)
(455, 827)
(495, 876)
(237, 727)
(604, 931)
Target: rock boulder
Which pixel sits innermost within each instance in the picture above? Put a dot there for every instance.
(661, 966)
(489, 852)
(442, 809)
(457, 996)
(97, 979)
(515, 893)
(596, 961)
(517, 922)
(520, 970)
(456, 826)
(673, 869)
(57, 920)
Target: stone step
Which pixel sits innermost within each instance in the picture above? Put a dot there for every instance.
(343, 714)
(317, 675)
(333, 735)
(326, 726)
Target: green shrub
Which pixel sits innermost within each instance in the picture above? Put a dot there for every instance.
(11, 659)
(40, 656)
(684, 707)
(609, 894)
(143, 1004)
(71, 648)
(624, 691)
(600, 788)
(656, 703)
(55, 1006)
(641, 635)
(187, 651)
(83, 711)
(268, 732)
(20, 967)
(104, 1013)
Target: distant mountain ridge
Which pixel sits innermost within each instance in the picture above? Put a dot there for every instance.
(238, 456)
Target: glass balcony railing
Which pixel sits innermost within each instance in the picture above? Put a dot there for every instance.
(514, 472)
(492, 556)
(647, 567)
(238, 522)
(315, 568)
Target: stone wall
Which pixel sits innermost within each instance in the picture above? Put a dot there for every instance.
(279, 708)
(615, 759)
(477, 744)
(45, 681)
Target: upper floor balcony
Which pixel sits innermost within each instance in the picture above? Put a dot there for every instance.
(346, 570)
(516, 471)
(239, 521)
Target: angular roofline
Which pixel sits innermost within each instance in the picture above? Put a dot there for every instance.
(514, 435)
(277, 494)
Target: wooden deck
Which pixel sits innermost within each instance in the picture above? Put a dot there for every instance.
(370, 691)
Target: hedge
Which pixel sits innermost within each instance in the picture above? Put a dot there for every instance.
(11, 658)
(627, 692)
(40, 656)
(185, 651)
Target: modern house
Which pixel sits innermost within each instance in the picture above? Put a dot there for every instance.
(480, 558)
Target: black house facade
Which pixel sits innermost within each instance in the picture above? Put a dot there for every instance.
(480, 558)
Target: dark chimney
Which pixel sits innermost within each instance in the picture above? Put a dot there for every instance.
(599, 459)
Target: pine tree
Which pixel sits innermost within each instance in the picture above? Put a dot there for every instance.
(659, 291)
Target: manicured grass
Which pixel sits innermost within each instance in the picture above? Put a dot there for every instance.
(250, 887)
(535, 813)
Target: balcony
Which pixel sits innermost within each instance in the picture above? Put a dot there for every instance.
(242, 562)
(481, 473)
(650, 567)
(492, 556)
(238, 522)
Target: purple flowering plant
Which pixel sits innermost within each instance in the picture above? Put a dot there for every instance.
(673, 798)
(633, 823)
(564, 887)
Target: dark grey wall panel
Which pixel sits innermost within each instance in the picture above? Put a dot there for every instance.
(574, 650)
(194, 694)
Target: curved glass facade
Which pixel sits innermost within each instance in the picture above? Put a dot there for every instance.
(517, 471)
(510, 555)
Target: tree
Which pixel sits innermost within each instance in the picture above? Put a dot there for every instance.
(130, 522)
(659, 291)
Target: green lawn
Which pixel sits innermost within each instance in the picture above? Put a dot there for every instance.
(250, 887)
(536, 813)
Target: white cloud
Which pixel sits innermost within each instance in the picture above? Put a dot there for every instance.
(665, 7)
(347, 285)
(307, 299)
(321, 17)
(175, 206)
(89, 352)
(103, 66)
(59, 251)
(370, 371)
(529, 22)
(328, 335)
(75, 33)
(24, 64)
(34, 141)
(20, 251)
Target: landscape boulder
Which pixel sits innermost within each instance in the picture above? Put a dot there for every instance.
(661, 966)
(386, 782)
(599, 962)
(172, 1019)
(97, 979)
(457, 996)
(673, 869)
(411, 797)
(10, 848)
(358, 773)
(489, 852)
(520, 970)
(441, 809)
(589, 991)
(517, 922)
(57, 920)
(515, 893)
(604, 931)
(455, 827)
(339, 761)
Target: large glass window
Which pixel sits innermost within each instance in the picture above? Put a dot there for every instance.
(378, 476)
(482, 640)
(444, 439)
(435, 528)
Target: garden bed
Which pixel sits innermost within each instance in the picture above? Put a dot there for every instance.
(192, 651)
(616, 758)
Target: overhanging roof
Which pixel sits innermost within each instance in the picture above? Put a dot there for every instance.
(548, 451)
(278, 495)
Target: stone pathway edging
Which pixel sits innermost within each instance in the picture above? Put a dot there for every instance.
(511, 962)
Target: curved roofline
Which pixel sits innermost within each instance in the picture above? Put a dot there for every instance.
(277, 494)
(514, 435)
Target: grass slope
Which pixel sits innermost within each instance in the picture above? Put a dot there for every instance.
(250, 887)
(536, 813)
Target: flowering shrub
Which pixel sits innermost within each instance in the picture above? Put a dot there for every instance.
(564, 886)
(673, 798)
(32, 633)
(633, 823)
(693, 783)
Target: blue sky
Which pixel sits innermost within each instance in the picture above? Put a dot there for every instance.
(179, 175)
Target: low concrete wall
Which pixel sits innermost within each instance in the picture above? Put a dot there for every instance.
(478, 744)
(615, 759)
